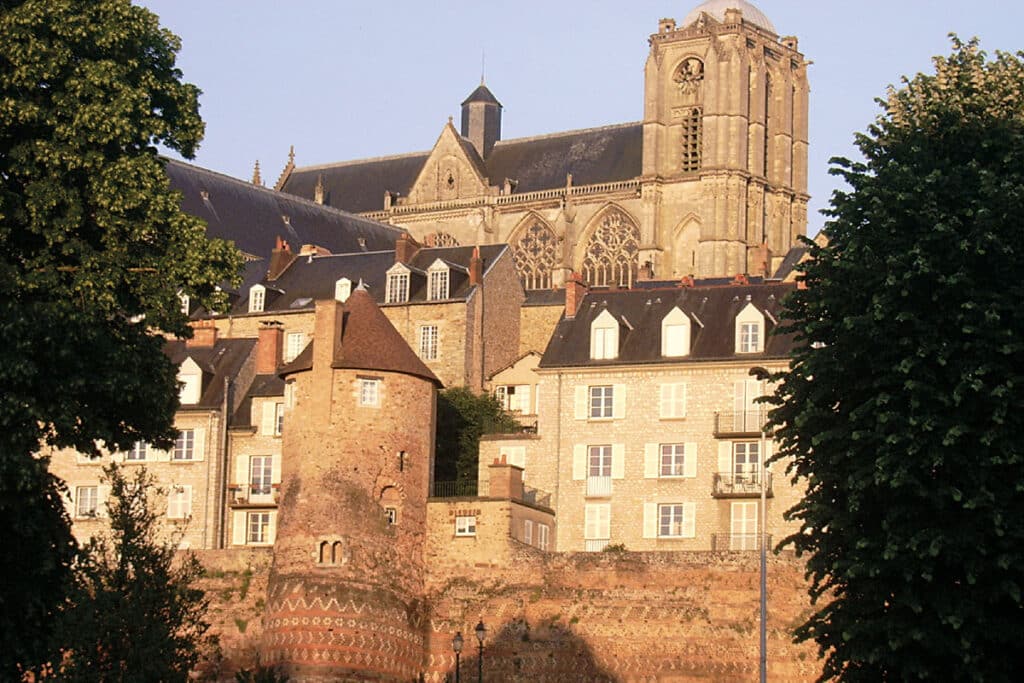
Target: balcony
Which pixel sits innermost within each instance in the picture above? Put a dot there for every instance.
(738, 541)
(453, 489)
(595, 545)
(536, 497)
(742, 424)
(599, 487)
(245, 495)
(742, 485)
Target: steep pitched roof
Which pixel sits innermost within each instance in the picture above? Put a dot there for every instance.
(481, 94)
(368, 342)
(712, 311)
(221, 361)
(593, 155)
(253, 217)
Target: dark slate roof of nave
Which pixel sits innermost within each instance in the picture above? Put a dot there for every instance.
(592, 155)
(252, 216)
(644, 309)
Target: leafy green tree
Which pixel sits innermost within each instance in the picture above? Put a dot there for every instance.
(462, 418)
(93, 251)
(902, 411)
(133, 613)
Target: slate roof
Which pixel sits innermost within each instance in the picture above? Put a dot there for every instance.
(368, 342)
(221, 361)
(310, 278)
(481, 94)
(253, 217)
(262, 386)
(790, 262)
(593, 155)
(712, 311)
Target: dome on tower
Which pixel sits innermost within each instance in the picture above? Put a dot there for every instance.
(716, 8)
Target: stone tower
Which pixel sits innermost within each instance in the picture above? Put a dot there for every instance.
(481, 120)
(725, 138)
(343, 598)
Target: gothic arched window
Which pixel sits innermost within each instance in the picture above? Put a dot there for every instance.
(534, 254)
(612, 253)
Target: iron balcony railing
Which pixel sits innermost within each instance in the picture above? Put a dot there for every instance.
(453, 489)
(536, 497)
(740, 484)
(743, 423)
(739, 541)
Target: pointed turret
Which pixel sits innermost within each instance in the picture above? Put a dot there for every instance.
(481, 119)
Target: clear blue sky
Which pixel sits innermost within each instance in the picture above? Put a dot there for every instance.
(345, 80)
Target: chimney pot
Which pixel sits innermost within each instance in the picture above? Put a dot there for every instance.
(575, 291)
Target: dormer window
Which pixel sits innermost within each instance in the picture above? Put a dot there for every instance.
(397, 289)
(190, 376)
(186, 303)
(750, 330)
(437, 276)
(257, 298)
(342, 289)
(675, 334)
(604, 337)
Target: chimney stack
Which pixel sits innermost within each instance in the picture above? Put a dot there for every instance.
(204, 334)
(476, 268)
(280, 258)
(506, 480)
(405, 248)
(268, 348)
(575, 290)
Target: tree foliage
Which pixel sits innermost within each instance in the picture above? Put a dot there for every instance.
(462, 418)
(133, 613)
(901, 413)
(93, 251)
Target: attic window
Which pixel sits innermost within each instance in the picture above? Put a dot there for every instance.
(397, 289)
(604, 337)
(438, 279)
(185, 302)
(294, 343)
(749, 330)
(342, 289)
(190, 376)
(675, 334)
(257, 298)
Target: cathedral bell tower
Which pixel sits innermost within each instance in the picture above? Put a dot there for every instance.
(725, 135)
(481, 120)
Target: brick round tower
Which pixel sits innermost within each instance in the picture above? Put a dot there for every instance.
(344, 590)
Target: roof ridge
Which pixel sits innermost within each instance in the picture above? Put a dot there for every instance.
(544, 136)
(352, 162)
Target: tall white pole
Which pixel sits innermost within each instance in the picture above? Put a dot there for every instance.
(764, 560)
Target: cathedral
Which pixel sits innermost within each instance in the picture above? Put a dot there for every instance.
(711, 183)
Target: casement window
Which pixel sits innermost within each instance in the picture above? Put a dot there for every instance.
(528, 532)
(596, 526)
(437, 281)
(86, 501)
(673, 460)
(747, 413)
(190, 376)
(542, 536)
(749, 330)
(369, 392)
(396, 290)
(257, 298)
(294, 343)
(514, 397)
(184, 445)
(602, 401)
(138, 452)
(673, 401)
(258, 528)
(279, 418)
(465, 525)
(676, 520)
(261, 468)
(675, 334)
(428, 342)
(743, 526)
(599, 470)
(604, 337)
(179, 502)
(746, 462)
(342, 289)
(670, 460)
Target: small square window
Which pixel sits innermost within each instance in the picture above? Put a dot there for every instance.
(671, 521)
(601, 401)
(369, 392)
(391, 516)
(86, 501)
(465, 525)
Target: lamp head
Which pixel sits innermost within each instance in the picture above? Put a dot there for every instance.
(481, 631)
(457, 642)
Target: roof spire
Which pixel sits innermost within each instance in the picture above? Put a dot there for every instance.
(256, 178)
(483, 64)
(288, 168)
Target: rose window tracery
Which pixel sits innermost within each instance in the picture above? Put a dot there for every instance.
(440, 239)
(612, 253)
(535, 254)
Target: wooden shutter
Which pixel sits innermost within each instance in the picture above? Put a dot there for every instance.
(650, 520)
(238, 528)
(618, 401)
(689, 520)
(579, 461)
(590, 521)
(241, 470)
(267, 422)
(652, 460)
(199, 443)
(666, 401)
(724, 456)
(102, 493)
(272, 528)
(618, 461)
(690, 459)
(275, 469)
(581, 402)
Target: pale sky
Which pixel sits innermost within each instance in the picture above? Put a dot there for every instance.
(345, 80)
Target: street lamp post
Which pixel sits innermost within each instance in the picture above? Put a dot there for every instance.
(762, 374)
(481, 633)
(457, 647)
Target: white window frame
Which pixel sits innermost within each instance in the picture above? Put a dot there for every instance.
(672, 460)
(186, 302)
(672, 520)
(428, 342)
(278, 418)
(597, 519)
(257, 298)
(604, 337)
(261, 476)
(396, 290)
(746, 462)
(465, 525)
(342, 289)
(391, 515)
(514, 398)
(437, 281)
(743, 526)
(601, 402)
(673, 401)
(138, 453)
(294, 343)
(90, 495)
(179, 502)
(184, 446)
(675, 334)
(257, 528)
(369, 392)
(750, 330)
(543, 533)
(528, 531)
